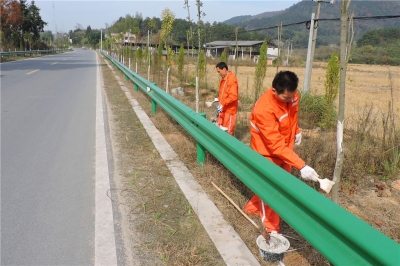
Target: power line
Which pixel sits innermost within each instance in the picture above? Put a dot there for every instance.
(364, 18)
(308, 22)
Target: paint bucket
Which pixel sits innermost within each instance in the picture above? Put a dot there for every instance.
(275, 250)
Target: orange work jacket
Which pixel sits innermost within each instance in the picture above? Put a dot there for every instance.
(273, 127)
(228, 93)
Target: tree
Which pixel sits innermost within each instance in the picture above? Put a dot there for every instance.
(152, 27)
(202, 65)
(139, 55)
(136, 31)
(346, 37)
(189, 33)
(84, 41)
(94, 37)
(261, 71)
(11, 20)
(159, 55)
(47, 37)
(146, 53)
(332, 78)
(88, 30)
(32, 21)
(200, 14)
(223, 56)
(1, 40)
(169, 62)
(166, 26)
(77, 36)
(332, 81)
(78, 26)
(181, 62)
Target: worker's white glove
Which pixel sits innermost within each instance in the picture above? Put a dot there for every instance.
(308, 173)
(215, 100)
(219, 108)
(297, 139)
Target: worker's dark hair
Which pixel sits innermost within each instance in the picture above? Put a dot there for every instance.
(285, 80)
(222, 65)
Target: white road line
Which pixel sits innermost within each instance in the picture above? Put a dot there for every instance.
(105, 249)
(33, 71)
(226, 240)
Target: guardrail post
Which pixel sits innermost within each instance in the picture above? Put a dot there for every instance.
(136, 87)
(126, 77)
(153, 106)
(201, 151)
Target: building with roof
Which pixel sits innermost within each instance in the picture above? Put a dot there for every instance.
(125, 39)
(246, 49)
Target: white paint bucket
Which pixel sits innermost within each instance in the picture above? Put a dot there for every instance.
(274, 250)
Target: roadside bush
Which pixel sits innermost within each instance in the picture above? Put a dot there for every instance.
(312, 109)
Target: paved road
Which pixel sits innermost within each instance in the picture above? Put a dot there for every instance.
(48, 121)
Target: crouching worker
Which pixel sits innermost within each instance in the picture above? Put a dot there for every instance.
(228, 98)
(274, 133)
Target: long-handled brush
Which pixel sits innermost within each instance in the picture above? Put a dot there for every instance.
(262, 230)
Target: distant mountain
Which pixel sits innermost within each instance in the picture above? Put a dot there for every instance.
(242, 19)
(328, 30)
(236, 20)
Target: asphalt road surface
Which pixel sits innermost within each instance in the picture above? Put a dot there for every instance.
(48, 158)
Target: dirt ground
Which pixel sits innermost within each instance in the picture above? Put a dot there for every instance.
(366, 86)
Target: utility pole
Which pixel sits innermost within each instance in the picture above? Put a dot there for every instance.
(55, 24)
(149, 57)
(313, 35)
(101, 39)
(309, 58)
(236, 50)
(279, 46)
(314, 40)
(288, 52)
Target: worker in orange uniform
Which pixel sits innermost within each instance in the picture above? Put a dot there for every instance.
(274, 133)
(228, 98)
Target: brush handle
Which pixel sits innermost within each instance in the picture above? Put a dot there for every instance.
(237, 207)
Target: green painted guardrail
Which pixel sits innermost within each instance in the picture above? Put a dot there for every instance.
(32, 52)
(341, 237)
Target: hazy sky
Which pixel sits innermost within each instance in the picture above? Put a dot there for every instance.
(66, 14)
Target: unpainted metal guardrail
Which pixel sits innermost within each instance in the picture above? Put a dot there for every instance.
(32, 52)
(341, 237)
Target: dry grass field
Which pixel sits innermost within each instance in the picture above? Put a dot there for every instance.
(366, 85)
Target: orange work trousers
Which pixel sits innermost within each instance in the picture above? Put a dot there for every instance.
(269, 217)
(228, 121)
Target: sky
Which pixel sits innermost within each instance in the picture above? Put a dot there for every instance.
(64, 15)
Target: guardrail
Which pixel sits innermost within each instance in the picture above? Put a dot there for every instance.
(340, 236)
(32, 52)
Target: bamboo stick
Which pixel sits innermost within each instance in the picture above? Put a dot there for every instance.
(237, 207)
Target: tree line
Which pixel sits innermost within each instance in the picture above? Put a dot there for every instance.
(380, 47)
(89, 37)
(21, 25)
(181, 30)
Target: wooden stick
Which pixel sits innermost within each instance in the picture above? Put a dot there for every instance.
(237, 207)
